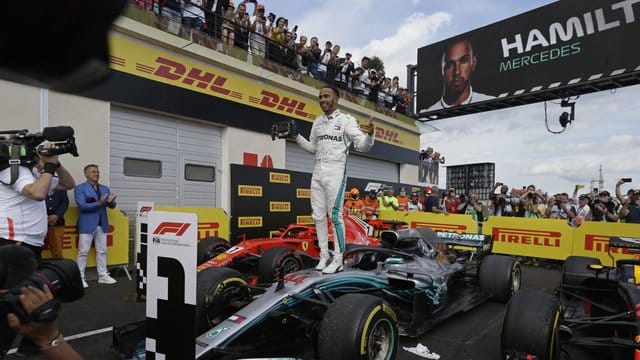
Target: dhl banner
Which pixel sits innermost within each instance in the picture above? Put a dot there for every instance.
(117, 238)
(438, 222)
(168, 68)
(211, 221)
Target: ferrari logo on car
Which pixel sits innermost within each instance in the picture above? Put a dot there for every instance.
(305, 245)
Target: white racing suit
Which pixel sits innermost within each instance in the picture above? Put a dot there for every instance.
(330, 139)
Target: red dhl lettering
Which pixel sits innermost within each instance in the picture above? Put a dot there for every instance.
(440, 227)
(600, 243)
(387, 135)
(206, 229)
(527, 237)
(175, 71)
(273, 100)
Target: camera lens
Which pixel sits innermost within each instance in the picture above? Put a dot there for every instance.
(61, 275)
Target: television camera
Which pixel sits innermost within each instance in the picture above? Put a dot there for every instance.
(19, 147)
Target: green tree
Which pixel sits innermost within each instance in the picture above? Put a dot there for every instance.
(376, 63)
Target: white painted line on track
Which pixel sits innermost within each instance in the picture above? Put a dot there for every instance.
(76, 336)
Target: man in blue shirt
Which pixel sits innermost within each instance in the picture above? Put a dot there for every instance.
(93, 199)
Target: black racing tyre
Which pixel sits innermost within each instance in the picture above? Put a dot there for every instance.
(358, 326)
(219, 291)
(210, 247)
(278, 259)
(530, 326)
(575, 270)
(500, 276)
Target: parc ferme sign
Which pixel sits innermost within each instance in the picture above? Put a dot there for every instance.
(171, 285)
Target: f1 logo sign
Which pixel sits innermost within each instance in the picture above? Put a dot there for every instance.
(145, 209)
(177, 228)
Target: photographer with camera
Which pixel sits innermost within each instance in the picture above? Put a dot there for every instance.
(532, 203)
(27, 303)
(630, 210)
(603, 208)
(23, 189)
(501, 203)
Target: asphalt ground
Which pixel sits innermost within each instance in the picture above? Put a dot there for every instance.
(87, 323)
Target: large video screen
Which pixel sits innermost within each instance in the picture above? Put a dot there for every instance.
(565, 44)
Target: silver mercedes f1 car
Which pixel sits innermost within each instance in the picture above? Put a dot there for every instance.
(414, 280)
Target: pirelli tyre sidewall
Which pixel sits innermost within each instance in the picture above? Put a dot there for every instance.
(358, 326)
(500, 276)
(530, 326)
(278, 259)
(218, 288)
(210, 247)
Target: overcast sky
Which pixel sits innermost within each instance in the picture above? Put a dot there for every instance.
(605, 131)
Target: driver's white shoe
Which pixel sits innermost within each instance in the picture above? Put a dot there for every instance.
(324, 259)
(334, 266)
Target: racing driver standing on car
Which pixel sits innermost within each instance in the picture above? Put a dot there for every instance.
(331, 136)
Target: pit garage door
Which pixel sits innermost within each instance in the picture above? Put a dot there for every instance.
(358, 166)
(162, 159)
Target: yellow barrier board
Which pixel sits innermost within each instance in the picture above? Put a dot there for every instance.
(117, 238)
(555, 239)
(592, 239)
(542, 238)
(438, 222)
(211, 221)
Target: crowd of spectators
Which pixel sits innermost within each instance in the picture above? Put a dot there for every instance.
(269, 36)
(527, 202)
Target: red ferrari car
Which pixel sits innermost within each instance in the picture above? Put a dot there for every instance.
(294, 248)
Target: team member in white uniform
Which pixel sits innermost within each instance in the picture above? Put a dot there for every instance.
(331, 136)
(23, 213)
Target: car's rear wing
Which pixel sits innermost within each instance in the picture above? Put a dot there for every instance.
(632, 244)
(467, 240)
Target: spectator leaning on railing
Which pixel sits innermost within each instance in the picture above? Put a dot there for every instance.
(220, 19)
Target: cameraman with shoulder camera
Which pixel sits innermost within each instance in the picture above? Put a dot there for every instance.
(23, 213)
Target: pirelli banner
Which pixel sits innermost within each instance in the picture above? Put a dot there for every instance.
(263, 200)
(555, 239)
(117, 238)
(462, 224)
(566, 47)
(541, 238)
